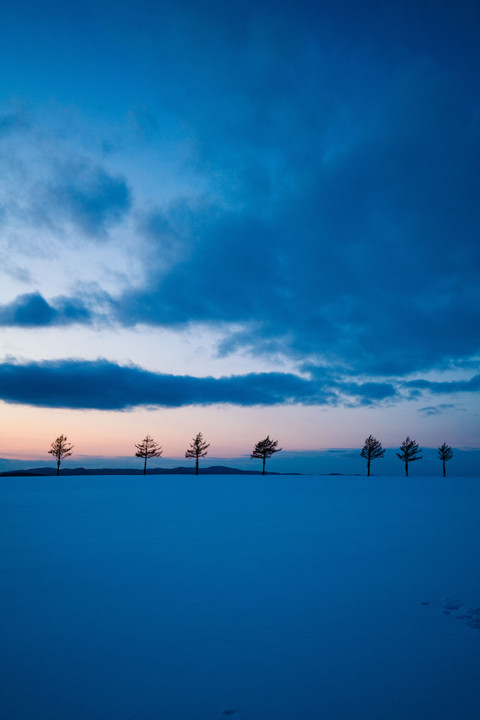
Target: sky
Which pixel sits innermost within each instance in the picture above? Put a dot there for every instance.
(243, 218)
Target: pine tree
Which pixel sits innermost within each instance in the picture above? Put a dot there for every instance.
(146, 449)
(197, 449)
(445, 453)
(371, 451)
(409, 452)
(265, 449)
(60, 449)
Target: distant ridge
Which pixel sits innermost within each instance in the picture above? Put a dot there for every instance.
(213, 470)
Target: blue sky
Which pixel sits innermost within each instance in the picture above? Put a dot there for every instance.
(252, 218)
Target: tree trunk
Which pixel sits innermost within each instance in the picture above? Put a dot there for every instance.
(145, 466)
(58, 467)
(406, 468)
(368, 466)
(444, 471)
(196, 465)
(263, 471)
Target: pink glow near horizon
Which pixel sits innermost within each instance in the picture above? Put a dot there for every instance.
(231, 432)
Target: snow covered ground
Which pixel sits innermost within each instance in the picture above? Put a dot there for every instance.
(183, 598)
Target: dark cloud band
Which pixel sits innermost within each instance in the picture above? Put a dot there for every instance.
(106, 386)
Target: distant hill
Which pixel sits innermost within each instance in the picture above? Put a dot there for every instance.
(213, 470)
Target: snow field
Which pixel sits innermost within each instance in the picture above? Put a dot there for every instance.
(186, 598)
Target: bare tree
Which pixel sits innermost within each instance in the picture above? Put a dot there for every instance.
(197, 449)
(265, 449)
(409, 452)
(371, 451)
(146, 449)
(445, 453)
(60, 449)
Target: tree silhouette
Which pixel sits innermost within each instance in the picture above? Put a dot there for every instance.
(146, 449)
(265, 449)
(60, 449)
(409, 452)
(197, 449)
(445, 453)
(371, 451)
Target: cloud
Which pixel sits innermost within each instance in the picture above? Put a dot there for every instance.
(344, 250)
(32, 310)
(339, 214)
(53, 188)
(447, 387)
(144, 123)
(369, 393)
(11, 122)
(437, 409)
(102, 384)
(88, 196)
(105, 385)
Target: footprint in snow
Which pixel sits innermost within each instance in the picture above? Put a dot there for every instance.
(469, 615)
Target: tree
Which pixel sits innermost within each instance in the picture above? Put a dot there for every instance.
(60, 449)
(146, 449)
(371, 451)
(265, 449)
(445, 453)
(409, 452)
(197, 449)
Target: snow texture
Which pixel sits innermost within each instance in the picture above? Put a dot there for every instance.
(183, 598)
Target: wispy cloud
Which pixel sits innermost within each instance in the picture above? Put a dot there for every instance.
(13, 121)
(88, 196)
(437, 409)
